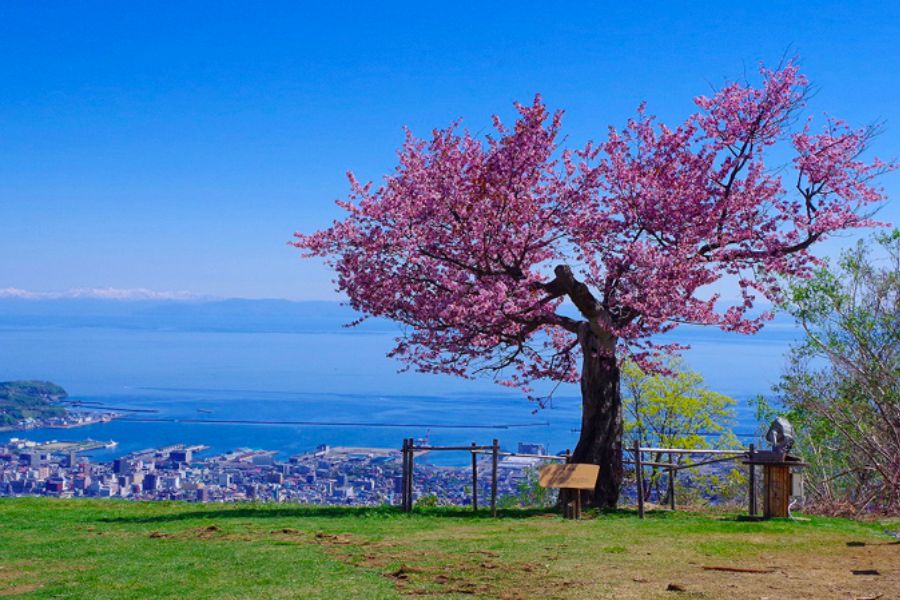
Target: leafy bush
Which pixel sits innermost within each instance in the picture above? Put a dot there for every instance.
(678, 411)
(529, 494)
(841, 385)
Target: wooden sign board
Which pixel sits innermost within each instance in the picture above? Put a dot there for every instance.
(570, 476)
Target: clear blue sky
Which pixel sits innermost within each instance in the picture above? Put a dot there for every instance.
(176, 146)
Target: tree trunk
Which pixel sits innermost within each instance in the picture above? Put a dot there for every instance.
(601, 420)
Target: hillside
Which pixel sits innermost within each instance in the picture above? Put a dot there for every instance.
(29, 399)
(109, 549)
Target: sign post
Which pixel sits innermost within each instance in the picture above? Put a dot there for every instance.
(570, 477)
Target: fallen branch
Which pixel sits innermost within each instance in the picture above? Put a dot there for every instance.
(738, 570)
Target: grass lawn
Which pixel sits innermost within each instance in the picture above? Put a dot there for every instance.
(117, 549)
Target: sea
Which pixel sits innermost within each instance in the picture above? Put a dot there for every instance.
(292, 391)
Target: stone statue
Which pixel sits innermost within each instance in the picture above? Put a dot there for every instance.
(781, 435)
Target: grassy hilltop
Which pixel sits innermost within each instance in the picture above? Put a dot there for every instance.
(115, 549)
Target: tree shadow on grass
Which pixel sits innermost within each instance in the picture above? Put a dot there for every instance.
(337, 512)
(632, 513)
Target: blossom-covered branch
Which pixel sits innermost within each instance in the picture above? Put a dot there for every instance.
(476, 245)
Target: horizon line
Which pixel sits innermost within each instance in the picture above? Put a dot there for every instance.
(138, 294)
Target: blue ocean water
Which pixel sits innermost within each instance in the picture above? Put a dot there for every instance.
(340, 385)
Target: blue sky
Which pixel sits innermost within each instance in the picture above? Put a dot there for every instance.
(176, 146)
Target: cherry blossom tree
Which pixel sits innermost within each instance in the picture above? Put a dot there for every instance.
(512, 256)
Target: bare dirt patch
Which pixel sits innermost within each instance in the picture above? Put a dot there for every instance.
(25, 576)
(286, 531)
(329, 539)
(19, 589)
(209, 532)
(826, 572)
(421, 568)
(578, 567)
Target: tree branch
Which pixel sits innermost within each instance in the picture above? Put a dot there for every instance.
(565, 284)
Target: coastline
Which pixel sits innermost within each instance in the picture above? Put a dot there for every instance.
(54, 423)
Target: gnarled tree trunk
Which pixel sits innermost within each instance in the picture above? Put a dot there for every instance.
(601, 420)
(601, 413)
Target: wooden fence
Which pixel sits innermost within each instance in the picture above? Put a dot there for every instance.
(673, 468)
(409, 452)
(410, 448)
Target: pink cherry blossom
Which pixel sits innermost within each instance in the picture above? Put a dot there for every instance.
(474, 245)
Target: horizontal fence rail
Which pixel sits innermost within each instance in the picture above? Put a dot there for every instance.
(451, 448)
(672, 468)
(410, 448)
(540, 456)
(691, 451)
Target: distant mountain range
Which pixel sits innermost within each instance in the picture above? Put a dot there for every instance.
(100, 294)
(181, 311)
(229, 315)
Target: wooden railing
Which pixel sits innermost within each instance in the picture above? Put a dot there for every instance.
(672, 469)
(410, 448)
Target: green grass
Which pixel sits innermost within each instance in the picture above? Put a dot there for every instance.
(117, 549)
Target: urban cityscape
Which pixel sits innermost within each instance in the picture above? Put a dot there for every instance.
(325, 475)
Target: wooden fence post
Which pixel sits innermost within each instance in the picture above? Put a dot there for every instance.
(753, 507)
(495, 455)
(671, 483)
(404, 451)
(406, 475)
(412, 455)
(474, 478)
(639, 477)
(409, 443)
